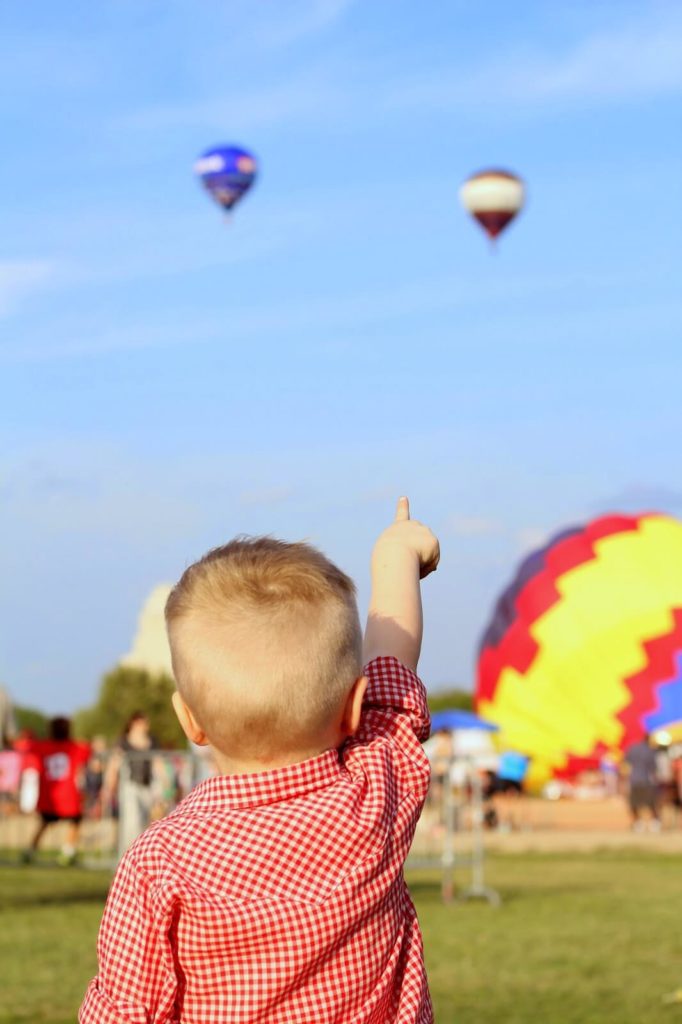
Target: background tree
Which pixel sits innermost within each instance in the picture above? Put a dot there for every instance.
(458, 698)
(124, 690)
(30, 718)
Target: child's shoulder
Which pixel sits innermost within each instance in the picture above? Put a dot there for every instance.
(154, 852)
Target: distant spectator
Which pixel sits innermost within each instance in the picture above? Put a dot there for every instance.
(511, 772)
(440, 755)
(60, 762)
(129, 776)
(8, 728)
(29, 782)
(665, 778)
(609, 769)
(490, 786)
(676, 756)
(642, 782)
(10, 779)
(94, 777)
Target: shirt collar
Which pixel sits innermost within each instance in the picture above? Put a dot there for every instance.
(238, 791)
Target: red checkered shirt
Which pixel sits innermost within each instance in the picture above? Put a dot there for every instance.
(279, 897)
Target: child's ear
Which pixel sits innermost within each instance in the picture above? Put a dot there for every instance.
(353, 707)
(190, 726)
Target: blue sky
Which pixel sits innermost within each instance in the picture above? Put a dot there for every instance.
(170, 380)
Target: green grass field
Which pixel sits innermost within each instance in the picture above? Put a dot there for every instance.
(579, 939)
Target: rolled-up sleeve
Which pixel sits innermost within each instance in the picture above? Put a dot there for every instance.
(395, 711)
(136, 983)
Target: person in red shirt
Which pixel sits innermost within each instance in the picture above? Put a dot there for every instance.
(60, 762)
(275, 891)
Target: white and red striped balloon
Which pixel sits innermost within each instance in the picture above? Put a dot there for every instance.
(494, 198)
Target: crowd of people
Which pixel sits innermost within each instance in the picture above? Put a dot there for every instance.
(653, 775)
(648, 777)
(63, 779)
(66, 780)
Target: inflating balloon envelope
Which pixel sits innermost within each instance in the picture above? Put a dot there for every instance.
(583, 654)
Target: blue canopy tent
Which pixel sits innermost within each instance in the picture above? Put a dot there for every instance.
(454, 718)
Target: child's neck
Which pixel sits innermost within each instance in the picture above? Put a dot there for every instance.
(231, 766)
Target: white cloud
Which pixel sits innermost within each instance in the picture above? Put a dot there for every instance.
(21, 278)
(267, 24)
(298, 98)
(73, 487)
(351, 312)
(97, 342)
(475, 526)
(345, 314)
(630, 63)
(286, 24)
(33, 62)
(639, 60)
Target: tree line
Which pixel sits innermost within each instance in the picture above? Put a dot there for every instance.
(125, 690)
(122, 691)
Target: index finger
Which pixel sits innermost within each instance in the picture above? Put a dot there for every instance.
(402, 512)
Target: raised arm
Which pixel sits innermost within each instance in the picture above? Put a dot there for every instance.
(405, 553)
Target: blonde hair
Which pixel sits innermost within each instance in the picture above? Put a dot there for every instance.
(266, 644)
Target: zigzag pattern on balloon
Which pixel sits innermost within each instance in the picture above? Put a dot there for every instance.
(657, 689)
(507, 640)
(669, 710)
(656, 697)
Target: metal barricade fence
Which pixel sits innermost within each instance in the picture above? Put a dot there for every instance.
(140, 787)
(450, 832)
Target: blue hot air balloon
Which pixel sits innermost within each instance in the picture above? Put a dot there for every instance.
(227, 173)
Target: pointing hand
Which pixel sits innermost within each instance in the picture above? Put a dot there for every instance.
(413, 535)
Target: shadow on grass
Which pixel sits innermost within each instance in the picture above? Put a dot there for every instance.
(32, 1019)
(44, 885)
(428, 892)
(47, 899)
(50, 862)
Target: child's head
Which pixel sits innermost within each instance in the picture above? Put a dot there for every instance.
(266, 646)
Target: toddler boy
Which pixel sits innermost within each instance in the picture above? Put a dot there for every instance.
(274, 892)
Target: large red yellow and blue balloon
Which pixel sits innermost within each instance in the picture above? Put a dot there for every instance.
(583, 654)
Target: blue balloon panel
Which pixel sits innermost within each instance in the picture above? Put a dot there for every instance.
(227, 173)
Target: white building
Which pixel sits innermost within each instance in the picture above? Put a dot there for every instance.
(150, 645)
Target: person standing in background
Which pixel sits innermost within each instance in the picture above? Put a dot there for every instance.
(642, 780)
(130, 774)
(60, 762)
(10, 760)
(94, 777)
(8, 728)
